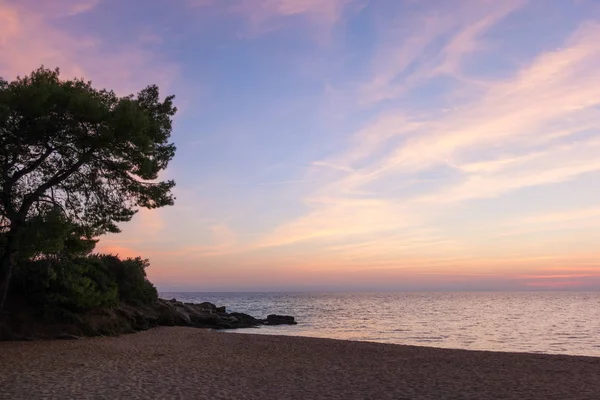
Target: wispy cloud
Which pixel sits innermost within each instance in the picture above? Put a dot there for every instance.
(552, 95)
(410, 52)
(57, 8)
(509, 135)
(565, 222)
(28, 25)
(564, 216)
(264, 16)
(283, 182)
(223, 241)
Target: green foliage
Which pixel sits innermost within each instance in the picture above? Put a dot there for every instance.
(84, 150)
(66, 287)
(74, 162)
(51, 235)
(73, 285)
(130, 275)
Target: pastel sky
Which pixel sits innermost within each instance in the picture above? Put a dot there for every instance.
(351, 144)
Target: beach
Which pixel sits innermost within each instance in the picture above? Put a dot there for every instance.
(190, 363)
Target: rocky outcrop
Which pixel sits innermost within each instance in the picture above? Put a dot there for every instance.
(128, 318)
(208, 315)
(274, 319)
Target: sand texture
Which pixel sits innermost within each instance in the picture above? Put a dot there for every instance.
(189, 363)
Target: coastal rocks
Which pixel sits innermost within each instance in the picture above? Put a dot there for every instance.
(246, 319)
(205, 306)
(208, 315)
(203, 315)
(126, 318)
(275, 319)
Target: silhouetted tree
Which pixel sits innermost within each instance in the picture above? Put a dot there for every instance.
(50, 234)
(87, 154)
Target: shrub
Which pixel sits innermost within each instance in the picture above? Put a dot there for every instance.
(64, 287)
(130, 276)
(74, 285)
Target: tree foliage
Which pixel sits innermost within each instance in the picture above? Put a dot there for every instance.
(87, 151)
(77, 157)
(59, 287)
(130, 277)
(52, 235)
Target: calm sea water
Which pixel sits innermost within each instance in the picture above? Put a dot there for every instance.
(539, 322)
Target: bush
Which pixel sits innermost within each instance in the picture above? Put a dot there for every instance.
(130, 276)
(66, 287)
(74, 285)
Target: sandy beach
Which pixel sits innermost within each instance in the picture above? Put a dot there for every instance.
(188, 363)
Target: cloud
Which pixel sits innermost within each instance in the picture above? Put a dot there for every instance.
(57, 8)
(29, 37)
(549, 97)
(564, 222)
(511, 133)
(333, 219)
(150, 222)
(224, 241)
(264, 16)
(282, 182)
(410, 52)
(327, 11)
(555, 165)
(564, 216)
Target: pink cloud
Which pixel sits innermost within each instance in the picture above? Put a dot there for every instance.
(150, 223)
(56, 8)
(28, 39)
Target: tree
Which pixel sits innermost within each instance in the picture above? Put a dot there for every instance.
(51, 235)
(90, 155)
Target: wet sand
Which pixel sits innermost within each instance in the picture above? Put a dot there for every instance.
(188, 363)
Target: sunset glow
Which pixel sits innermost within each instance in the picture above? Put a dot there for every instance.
(351, 144)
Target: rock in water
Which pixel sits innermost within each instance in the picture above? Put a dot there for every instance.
(246, 320)
(275, 319)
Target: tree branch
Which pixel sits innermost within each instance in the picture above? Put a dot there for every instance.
(55, 180)
(9, 181)
(21, 173)
(50, 200)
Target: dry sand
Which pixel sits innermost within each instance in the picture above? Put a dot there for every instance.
(188, 363)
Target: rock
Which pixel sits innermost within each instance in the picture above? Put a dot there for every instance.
(275, 319)
(202, 319)
(127, 318)
(207, 306)
(245, 320)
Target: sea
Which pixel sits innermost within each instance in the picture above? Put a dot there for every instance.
(532, 322)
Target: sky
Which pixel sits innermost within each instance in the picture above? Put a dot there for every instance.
(351, 144)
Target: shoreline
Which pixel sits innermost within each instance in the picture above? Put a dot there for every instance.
(248, 331)
(178, 362)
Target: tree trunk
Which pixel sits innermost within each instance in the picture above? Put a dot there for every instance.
(7, 262)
